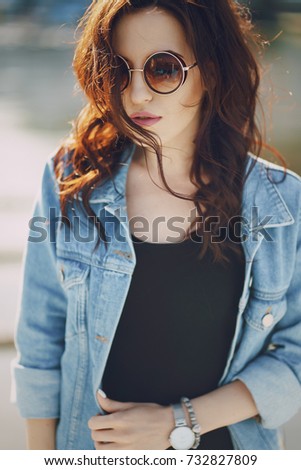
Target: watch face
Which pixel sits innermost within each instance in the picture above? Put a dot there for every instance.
(182, 438)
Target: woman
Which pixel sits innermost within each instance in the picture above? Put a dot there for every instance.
(166, 272)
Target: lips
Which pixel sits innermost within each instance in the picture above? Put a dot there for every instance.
(145, 119)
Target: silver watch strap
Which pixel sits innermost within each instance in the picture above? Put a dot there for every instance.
(179, 414)
(196, 428)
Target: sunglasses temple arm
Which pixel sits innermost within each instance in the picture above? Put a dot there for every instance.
(189, 67)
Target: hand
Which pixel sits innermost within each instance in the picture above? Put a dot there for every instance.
(131, 425)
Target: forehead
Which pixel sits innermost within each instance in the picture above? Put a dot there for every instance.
(139, 34)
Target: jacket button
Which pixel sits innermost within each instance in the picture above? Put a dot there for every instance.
(268, 320)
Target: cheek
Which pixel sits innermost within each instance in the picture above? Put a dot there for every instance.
(195, 95)
(187, 108)
(195, 88)
(125, 102)
(186, 104)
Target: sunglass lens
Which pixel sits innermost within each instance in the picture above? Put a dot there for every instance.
(121, 74)
(163, 73)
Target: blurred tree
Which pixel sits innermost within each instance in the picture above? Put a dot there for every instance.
(268, 9)
(56, 11)
(25, 6)
(48, 11)
(262, 9)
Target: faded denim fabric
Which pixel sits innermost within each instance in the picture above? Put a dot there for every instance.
(72, 298)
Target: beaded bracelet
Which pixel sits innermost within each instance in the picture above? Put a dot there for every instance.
(196, 428)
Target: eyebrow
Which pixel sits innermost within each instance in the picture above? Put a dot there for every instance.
(175, 53)
(164, 50)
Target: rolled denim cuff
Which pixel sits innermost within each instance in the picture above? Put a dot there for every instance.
(36, 392)
(275, 389)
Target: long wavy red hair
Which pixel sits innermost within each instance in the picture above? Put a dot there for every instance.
(221, 33)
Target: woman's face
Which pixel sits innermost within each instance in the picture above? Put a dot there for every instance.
(138, 35)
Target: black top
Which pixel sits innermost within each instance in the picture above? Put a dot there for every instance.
(176, 328)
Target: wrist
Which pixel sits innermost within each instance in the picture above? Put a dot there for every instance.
(169, 423)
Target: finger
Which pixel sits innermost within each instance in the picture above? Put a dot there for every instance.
(102, 422)
(110, 405)
(108, 446)
(105, 435)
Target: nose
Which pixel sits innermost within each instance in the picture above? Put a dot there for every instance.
(138, 90)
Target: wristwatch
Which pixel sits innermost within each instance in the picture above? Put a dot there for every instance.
(181, 437)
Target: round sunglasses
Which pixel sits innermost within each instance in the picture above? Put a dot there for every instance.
(163, 72)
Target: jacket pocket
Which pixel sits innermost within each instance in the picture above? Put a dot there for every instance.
(263, 315)
(260, 318)
(73, 276)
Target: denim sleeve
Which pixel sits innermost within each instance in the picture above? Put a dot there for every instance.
(274, 378)
(41, 313)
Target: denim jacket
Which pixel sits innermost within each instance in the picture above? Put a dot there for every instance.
(72, 297)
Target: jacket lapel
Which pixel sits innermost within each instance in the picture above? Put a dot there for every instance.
(263, 206)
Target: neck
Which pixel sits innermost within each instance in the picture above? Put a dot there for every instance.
(177, 154)
(175, 162)
(176, 165)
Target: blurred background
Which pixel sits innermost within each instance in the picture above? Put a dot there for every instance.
(37, 103)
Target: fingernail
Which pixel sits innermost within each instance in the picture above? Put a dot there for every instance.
(101, 393)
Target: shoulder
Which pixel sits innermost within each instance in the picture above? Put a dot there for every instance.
(48, 191)
(60, 162)
(277, 170)
(287, 182)
(57, 166)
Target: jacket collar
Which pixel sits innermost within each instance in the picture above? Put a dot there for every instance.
(263, 205)
(113, 190)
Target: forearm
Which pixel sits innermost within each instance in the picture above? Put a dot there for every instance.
(130, 425)
(41, 434)
(226, 405)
